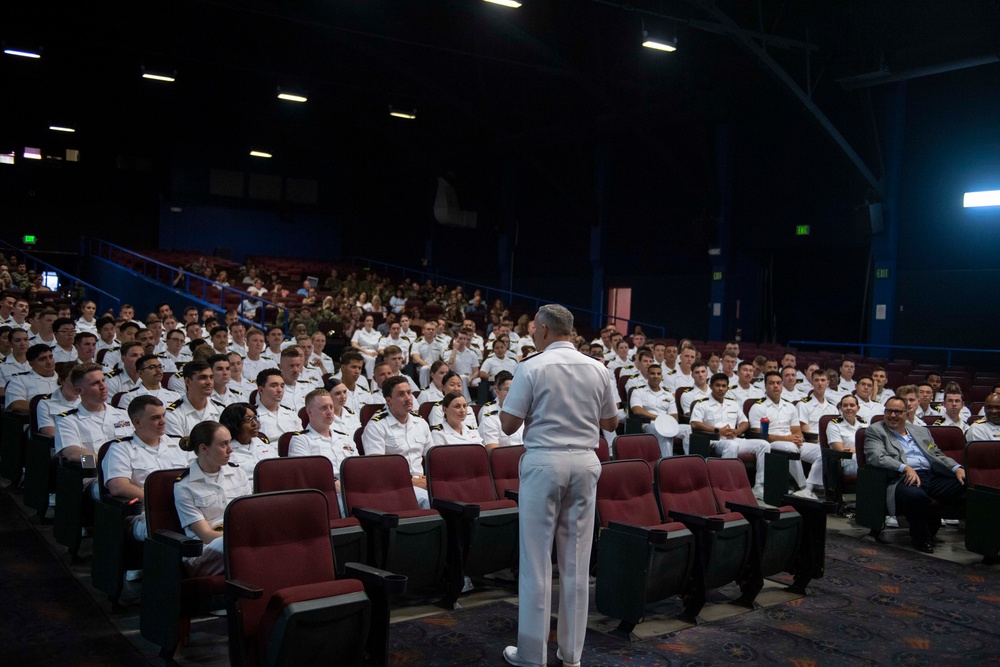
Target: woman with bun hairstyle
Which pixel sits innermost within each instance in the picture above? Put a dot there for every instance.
(453, 430)
(204, 492)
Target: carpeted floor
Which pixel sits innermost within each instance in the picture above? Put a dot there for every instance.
(875, 606)
(46, 616)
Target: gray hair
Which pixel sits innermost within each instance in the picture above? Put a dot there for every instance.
(557, 318)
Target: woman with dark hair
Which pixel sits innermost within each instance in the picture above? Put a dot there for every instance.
(345, 420)
(207, 488)
(249, 446)
(454, 430)
(450, 383)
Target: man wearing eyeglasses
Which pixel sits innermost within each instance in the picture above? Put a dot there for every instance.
(924, 473)
(150, 370)
(65, 331)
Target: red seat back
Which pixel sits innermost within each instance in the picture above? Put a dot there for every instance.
(33, 412)
(859, 447)
(625, 494)
(729, 481)
(824, 421)
(378, 482)
(158, 500)
(982, 463)
(425, 410)
(637, 446)
(304, 416)
(951, 440)
(682, 485)
(504, 468)
(459, 472)
(368, 411)
(284, 440)
(299, 472)
(603, 451)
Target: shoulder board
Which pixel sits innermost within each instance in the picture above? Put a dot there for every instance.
(161, 355)
(298, 432)
(488, 404)
(234, 465)
(176, 404)
(439, 402)
(414, 413)
(532, 356)
(489, 413)
(700, 400)
(980, 421)
(183, 475)
(939, 422)
(803, 400)
(686, 390)
(179, 374)
(127, 438)
(303, 381)
(471, 427)
(46, 397)
(437, 427)
(263, 438)
(935, 405)
(760, 401)
(836, 420)
(349, 411)
(424, 388)
(111, 374)
(21, 373)
(285, 407)
(633, 376)
(221, 405)
(379, 415)
(69, 412)
(785, 400)
(129, 391)
(862, 420)
(238, 393)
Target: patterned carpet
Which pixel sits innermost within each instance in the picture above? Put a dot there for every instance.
(875, 606)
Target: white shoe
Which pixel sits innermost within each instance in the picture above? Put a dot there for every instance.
(511, 656)
(890, 522)
(758, 492)
(467, 586)
(950, 522)
(564, 663)
(805, 493)
(133, 575)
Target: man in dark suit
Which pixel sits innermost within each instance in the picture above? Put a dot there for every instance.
(924, 472)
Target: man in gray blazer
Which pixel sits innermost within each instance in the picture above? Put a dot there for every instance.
(924, 472)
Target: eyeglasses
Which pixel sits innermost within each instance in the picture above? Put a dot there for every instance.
(250, 420)
(154, 367)
(894, 412)
(66, 331)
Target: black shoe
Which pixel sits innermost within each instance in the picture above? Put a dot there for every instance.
(924, 547)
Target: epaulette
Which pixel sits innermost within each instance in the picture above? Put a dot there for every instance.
(673, 372)
(297, 432)
(221, 405)
(439, 402)
(176, 404)
(349, 411)
(424, 388)
(532, 355)
(286, 407)
(471, 428)
(21, 373)
(836, 420)
(380, 414)
(263, 438)
(489, 413)
(862, 420)
(939, 422)
(46, 397)
(686, 390)
(111, 374)
(414, 413)
(788, 401)
(760, 401)
(700, 400)
(980, 421)
(238, 393)
(129, 391)
(127, 438)
(234, 465)
(633, 376)
(69, 412)
(183, 474)
(437, 427)
(303, 381)
(489, 403)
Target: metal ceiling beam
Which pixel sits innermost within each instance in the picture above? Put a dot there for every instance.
(747, 42)
(882, 77)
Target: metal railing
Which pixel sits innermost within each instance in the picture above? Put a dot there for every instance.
(883, 346)
(490, 293)
(32, 262)
(184, 282)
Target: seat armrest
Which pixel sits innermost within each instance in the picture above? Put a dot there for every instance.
(76, 465)
(510, 494)
(640, 418)
(838, 454)
(992, 490)
(189, 547)
(651, 536)
(456, 508)
(385, 520)
(809, 505)
(236, 589)
(127, 506)
(754, 511)
(712, 523)
(791, 456)
(388, 582)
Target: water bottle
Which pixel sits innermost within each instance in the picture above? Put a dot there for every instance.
(765, 424)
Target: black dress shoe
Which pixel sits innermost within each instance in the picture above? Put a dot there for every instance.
(924, 547)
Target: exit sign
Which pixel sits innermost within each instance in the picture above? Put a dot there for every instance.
(717, 275)
(29, 239)
(881, 273)
(802, 230)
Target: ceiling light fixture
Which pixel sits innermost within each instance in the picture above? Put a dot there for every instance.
(32, 153)
(288, 97)
(408, 115)
(984, 198)
(159, 76)
(21, 54)
(59, 128)
(658, 44)
(260, 154)
(513, 4)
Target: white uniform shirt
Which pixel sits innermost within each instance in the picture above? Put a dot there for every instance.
(884, 396)
(436, 416)
(249, 455)
(712, 413)
(199, 496)
(182, 417)
(37, 338)
(402, 343)
(81, 428)
(676, 379)
(868, 409)
(118, 381)
(741, 395)
(689, 397)
(494, 365)
(22, 386)
(982, 429)
(358, 398)
(336, 448)
(464, 362)
(658, 402)
(429, 394)
(555, 416)
(384, 434)
(132, 459)
(847, 385)
(11, 367)
(229, 397)
(810, 410)
(59, 354)
(295, 394)
(945, 420)
(840, 430)
(368, 340)
(83, 325)
(245, 387)
(251, 368)
(165, 395)
(49, 407)
(444, 434)
(429, 352)
(274, 424)
(348, 422)
(793, 395)
(783, 415)
(490, 431)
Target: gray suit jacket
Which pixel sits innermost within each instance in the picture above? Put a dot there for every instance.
(883, 450)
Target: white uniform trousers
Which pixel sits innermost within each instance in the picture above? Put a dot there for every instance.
(730, 449)
(667, 444)
(560, 487)
(812, 454)
(794, 467)
(209, 563)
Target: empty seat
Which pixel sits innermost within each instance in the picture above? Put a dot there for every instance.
(982, 499)
(638, 446)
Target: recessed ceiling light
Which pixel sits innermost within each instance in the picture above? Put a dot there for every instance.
(260, 154)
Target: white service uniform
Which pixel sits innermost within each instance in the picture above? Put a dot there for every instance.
(741, 395)
(367, 340)
(51, 405)
(494, 365)
(282, 420)
(490, 431)
(133, 459)
(841, 430)
(983, 429)
(384, 434)
(783, 416)
(444, 434)
(712, 413)
(659, 403)
(436, 416)
(24, 385)
(869, 409)
(61, 355)
(182, 417)
(79, 427)
(335, 448)
(201, 496)
(249, 455)
(251, 368)
(165, 395)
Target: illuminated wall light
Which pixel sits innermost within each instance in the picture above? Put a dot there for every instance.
(288, 97)
(983, 198)
(6, 158)
(59, 128)
(505, 3)
(158, 77)
(658, 44)
(32, 153)
(260, 154)
(21, 54)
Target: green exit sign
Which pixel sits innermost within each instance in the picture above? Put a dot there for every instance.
(717, 275)
(29, 239)
(802, 230)
(881, 273)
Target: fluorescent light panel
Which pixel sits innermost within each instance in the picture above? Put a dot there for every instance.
(403, 114)
(6, 158)
(158, 77)
(21, 54)
(32, 153)
(984, 198)
(659, 45)
(288, 97)
(260, 154)
(59, 128)
(513, 4)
